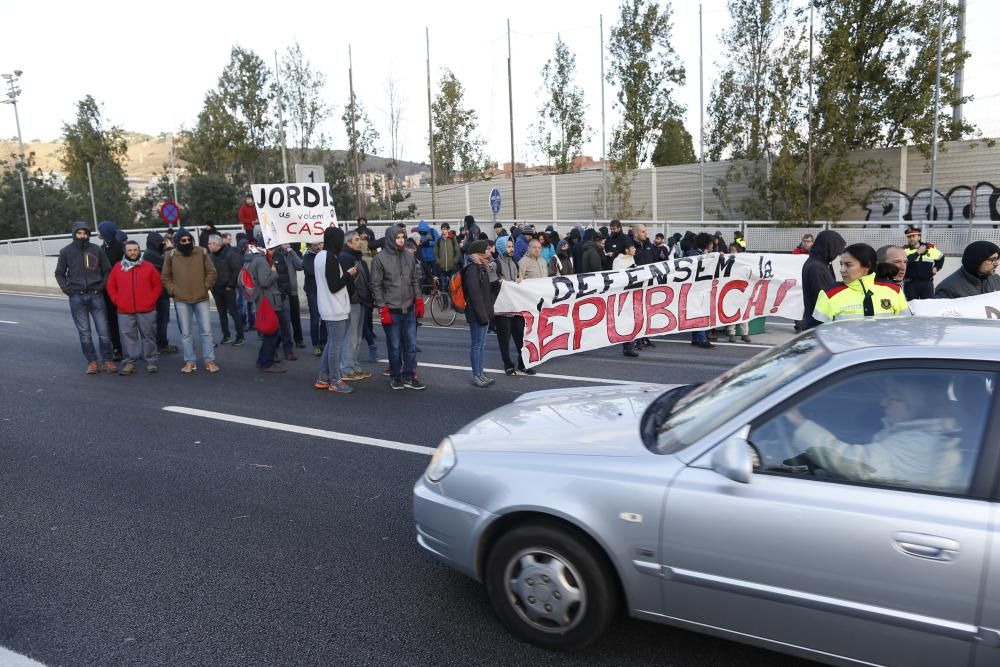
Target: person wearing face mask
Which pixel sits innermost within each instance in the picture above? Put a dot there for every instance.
(977, 275)
(188, 276)
(561, 263)
(134, 286)
(155, 247)
(860, 294)
(114, 247)
(395, 283)
(81, 272)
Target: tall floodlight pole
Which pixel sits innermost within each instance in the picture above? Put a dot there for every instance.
(956, 112)
(12, 94)
(809, 123)
(701, 118)
(354, 134)
(93, 202)
(604, 141)
(173, 169)
(430, 125)
(281, 117)
(937, 105)
(510, 98)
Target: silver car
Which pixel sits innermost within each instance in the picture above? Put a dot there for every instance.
(833, 498)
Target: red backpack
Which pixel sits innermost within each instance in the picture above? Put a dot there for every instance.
(457, 293)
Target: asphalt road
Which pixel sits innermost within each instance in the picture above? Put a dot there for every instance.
(132, 535)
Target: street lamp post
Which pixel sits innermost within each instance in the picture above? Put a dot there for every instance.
(12, 94)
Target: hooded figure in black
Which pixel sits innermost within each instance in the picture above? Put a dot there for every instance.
(818, 274)
(969, 279)
(114, 247)
(333, 243)
(154, 255)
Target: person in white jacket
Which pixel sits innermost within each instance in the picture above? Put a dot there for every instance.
(334, 304)
(911, 449)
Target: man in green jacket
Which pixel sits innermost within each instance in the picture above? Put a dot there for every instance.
(446, 255)
(188, 276)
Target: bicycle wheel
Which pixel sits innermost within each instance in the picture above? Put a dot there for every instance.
(441, 313)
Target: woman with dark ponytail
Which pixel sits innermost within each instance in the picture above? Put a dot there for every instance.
(860, 294)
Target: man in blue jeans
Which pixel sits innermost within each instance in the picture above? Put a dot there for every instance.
(395, 285)
(188, 276)
(82, 271)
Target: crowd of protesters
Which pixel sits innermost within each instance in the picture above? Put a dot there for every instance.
(354, 278)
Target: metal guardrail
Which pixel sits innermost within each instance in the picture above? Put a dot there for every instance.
(950, 237)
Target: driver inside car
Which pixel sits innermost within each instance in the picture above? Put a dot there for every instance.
(913, 448)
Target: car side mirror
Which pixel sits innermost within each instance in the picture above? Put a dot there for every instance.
(732, 459)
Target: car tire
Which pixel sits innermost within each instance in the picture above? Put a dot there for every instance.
(575, 590)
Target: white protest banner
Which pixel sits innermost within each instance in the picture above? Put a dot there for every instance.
(980, 307)
(586, 311)
(294, 212)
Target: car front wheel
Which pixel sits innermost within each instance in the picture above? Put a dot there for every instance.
(550, 587)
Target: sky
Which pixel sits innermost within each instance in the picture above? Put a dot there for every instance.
(150, 64)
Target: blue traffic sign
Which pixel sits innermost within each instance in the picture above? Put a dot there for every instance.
(495, 201)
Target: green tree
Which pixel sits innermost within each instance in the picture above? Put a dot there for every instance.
(562, 128)
(86, 141)
(457, 147)
(147, 207)
(234, 136)
(211, 198)
(644, 67)
(302, 89)
(674, 145)
(361, 138)
(50, 206)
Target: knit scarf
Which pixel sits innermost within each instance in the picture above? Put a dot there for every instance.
(128, 265)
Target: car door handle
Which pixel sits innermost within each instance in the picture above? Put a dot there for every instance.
(922, 545)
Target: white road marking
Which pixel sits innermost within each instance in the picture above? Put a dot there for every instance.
(35, 295)
(8, 322)
(304, 430)
(500, 371)
(11, 659)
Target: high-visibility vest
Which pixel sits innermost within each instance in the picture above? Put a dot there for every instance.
(851, 301)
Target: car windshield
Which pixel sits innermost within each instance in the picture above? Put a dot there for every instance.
(714, 403)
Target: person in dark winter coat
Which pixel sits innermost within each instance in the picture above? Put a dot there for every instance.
(470, 231)
(154, 255)
(395, 285)
(82, 272)
(317, 330)
(977, 275)
(817, 273)
(617, 240)
(701, 244)
(478, 308)
(561, 263)
(592, 253)
(207, 231)
(114, 247)
(227, 272)
(288, 264)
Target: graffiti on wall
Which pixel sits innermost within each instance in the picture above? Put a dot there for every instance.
(962, 202)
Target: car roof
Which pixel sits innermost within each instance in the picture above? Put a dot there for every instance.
(956, 333)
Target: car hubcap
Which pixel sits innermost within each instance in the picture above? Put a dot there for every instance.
(546, 590)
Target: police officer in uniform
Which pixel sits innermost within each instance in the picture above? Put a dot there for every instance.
(923, 260)
(859, 294)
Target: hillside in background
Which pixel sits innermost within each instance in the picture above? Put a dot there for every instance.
(148, 156)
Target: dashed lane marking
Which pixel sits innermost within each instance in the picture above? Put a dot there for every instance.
(8, 322)
(303, 430)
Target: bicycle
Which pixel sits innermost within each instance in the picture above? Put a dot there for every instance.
(439, 304)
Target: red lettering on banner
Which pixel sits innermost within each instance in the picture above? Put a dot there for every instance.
(580, 325)
(560, 342)
(741, 286)
(712, 304)
(782, 291)
(660, 308)
(612, 320)
(529, 323)
(758, 299)
(297, 228)
(690, 323)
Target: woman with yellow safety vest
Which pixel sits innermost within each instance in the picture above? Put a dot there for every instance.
(860, 294)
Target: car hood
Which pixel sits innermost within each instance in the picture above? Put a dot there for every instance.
(587, 421)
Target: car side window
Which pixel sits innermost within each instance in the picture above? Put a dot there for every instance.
(909, 428)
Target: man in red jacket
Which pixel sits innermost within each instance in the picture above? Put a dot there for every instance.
(248, 215)
(134, 286)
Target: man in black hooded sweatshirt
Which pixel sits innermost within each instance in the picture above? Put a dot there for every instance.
(154, 255)
(82, 271)
(817, 274)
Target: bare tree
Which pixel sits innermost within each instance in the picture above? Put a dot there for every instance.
(302, 92)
